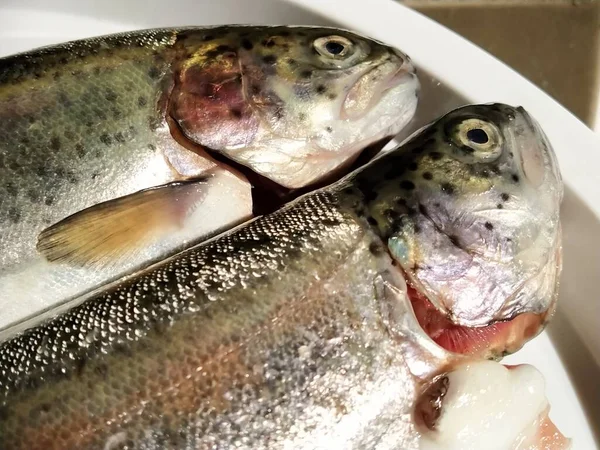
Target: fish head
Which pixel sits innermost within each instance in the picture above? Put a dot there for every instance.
(470, 211)
(295, 104)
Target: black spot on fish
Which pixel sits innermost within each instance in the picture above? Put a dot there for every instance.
(413, 166)
(208, 37)
(499, 206)
(56, 75)
(80, 366)
(33, 195)
(59, 172)
(80, 149)
(49, 200)
(448, 188)
(329, 129)
(154, 72)
(301, 117)
(331, 96)
(72, 178)
(141, 101)
(330, 222)
(119, 137)
(305, 74)
(152, 147)
(515, 178)
(89, 124)
(268, 42)
(105, 139)
(4, 413)
(122, 349)
(321, 89)
(236, 112)
(110, 95)
(391, 214)
(427, 175)
(504, 196)
(101, 369)
(407, 185)
(269, 59)
(154, 122)
(115, 112)
(41, 171)
(417, 229)
(489, 226)
(55, 143)
(63, 61)
(508, 240)
(255, 89)
(376, 248)
(371, 221)
(14, 214)
(225, 49)
(436, 156)
(11, 189)
(247, 44)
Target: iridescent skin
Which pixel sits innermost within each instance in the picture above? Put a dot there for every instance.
(291, 331)
(93, 120)
(475, 227)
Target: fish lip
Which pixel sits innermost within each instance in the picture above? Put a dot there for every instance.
(404, 74)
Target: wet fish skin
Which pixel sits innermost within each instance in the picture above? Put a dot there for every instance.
(293, 330)
(263, 349)
(475, 226)
(90, 121)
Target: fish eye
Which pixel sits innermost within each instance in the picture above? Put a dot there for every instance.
(478, 137)
(336, 47)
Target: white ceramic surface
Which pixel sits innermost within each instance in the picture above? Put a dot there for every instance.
(453, 72)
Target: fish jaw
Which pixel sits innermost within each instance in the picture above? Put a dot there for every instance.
(487, 405)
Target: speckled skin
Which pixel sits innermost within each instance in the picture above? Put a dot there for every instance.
(275, 347)
(89, 121)
(275, 335)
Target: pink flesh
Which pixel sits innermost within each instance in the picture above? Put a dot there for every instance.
(209, 105)
(492, 340)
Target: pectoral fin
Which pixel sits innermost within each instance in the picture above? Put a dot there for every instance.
(109, 231)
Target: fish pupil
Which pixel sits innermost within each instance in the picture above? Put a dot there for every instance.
(335, 48)
(477, 136)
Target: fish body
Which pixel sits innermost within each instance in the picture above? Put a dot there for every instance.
(294, 330)
(113, 148)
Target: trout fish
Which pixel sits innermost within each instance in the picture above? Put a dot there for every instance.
(119, 150)
(301, 329)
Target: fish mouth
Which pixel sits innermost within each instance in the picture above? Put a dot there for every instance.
(388, 76)
(492, 341)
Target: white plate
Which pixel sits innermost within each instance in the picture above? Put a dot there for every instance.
(568, 354)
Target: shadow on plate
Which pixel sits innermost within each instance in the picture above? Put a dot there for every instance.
(576, 320)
